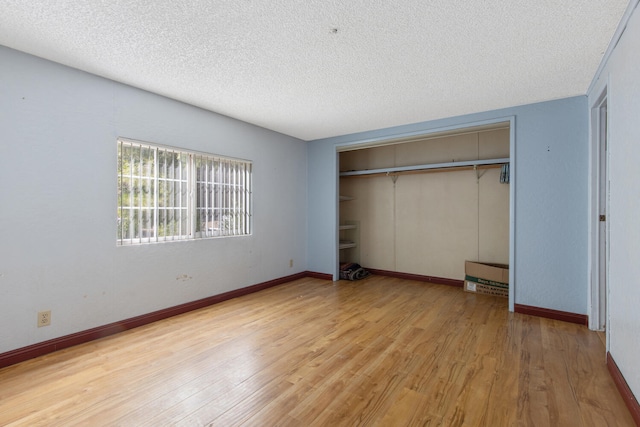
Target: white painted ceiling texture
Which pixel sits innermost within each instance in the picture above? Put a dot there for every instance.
(321, 68)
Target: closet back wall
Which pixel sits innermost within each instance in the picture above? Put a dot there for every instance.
(429, 223)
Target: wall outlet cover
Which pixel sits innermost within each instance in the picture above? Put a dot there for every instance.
(44, 318)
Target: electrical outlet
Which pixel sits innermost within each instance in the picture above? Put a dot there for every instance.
(44, 318)
(290, 263)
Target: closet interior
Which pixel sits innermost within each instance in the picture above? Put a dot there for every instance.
(426, 205)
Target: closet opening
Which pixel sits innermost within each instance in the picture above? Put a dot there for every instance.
(422, 205)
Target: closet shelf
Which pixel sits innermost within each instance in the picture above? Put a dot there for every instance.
(347, 227)
(434, 167)
(346, 244)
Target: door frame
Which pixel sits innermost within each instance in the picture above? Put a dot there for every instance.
(598, 242)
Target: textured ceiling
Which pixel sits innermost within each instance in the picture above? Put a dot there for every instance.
(320, 68)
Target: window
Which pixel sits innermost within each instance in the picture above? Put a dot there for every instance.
(167, 194)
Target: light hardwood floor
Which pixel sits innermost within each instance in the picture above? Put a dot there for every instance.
(382, 351)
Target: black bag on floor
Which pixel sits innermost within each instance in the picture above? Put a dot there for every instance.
(352, 271)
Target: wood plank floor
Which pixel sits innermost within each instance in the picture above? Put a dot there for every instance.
(379, 352)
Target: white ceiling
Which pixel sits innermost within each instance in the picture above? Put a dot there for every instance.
(321, 68)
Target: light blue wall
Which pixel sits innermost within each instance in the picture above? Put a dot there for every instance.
(551, 159)
(621, 78)
(58, 130)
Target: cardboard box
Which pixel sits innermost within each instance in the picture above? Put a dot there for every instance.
(486, 279)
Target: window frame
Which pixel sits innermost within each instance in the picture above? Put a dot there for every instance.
(139, 221)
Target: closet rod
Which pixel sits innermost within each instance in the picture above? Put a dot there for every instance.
(426, 167)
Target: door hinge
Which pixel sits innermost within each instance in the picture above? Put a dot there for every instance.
(603, 218)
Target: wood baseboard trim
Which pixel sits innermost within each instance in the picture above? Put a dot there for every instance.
(418, 277)
(322, 276)
(626, 393)
(40, 349)
(580, 319)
